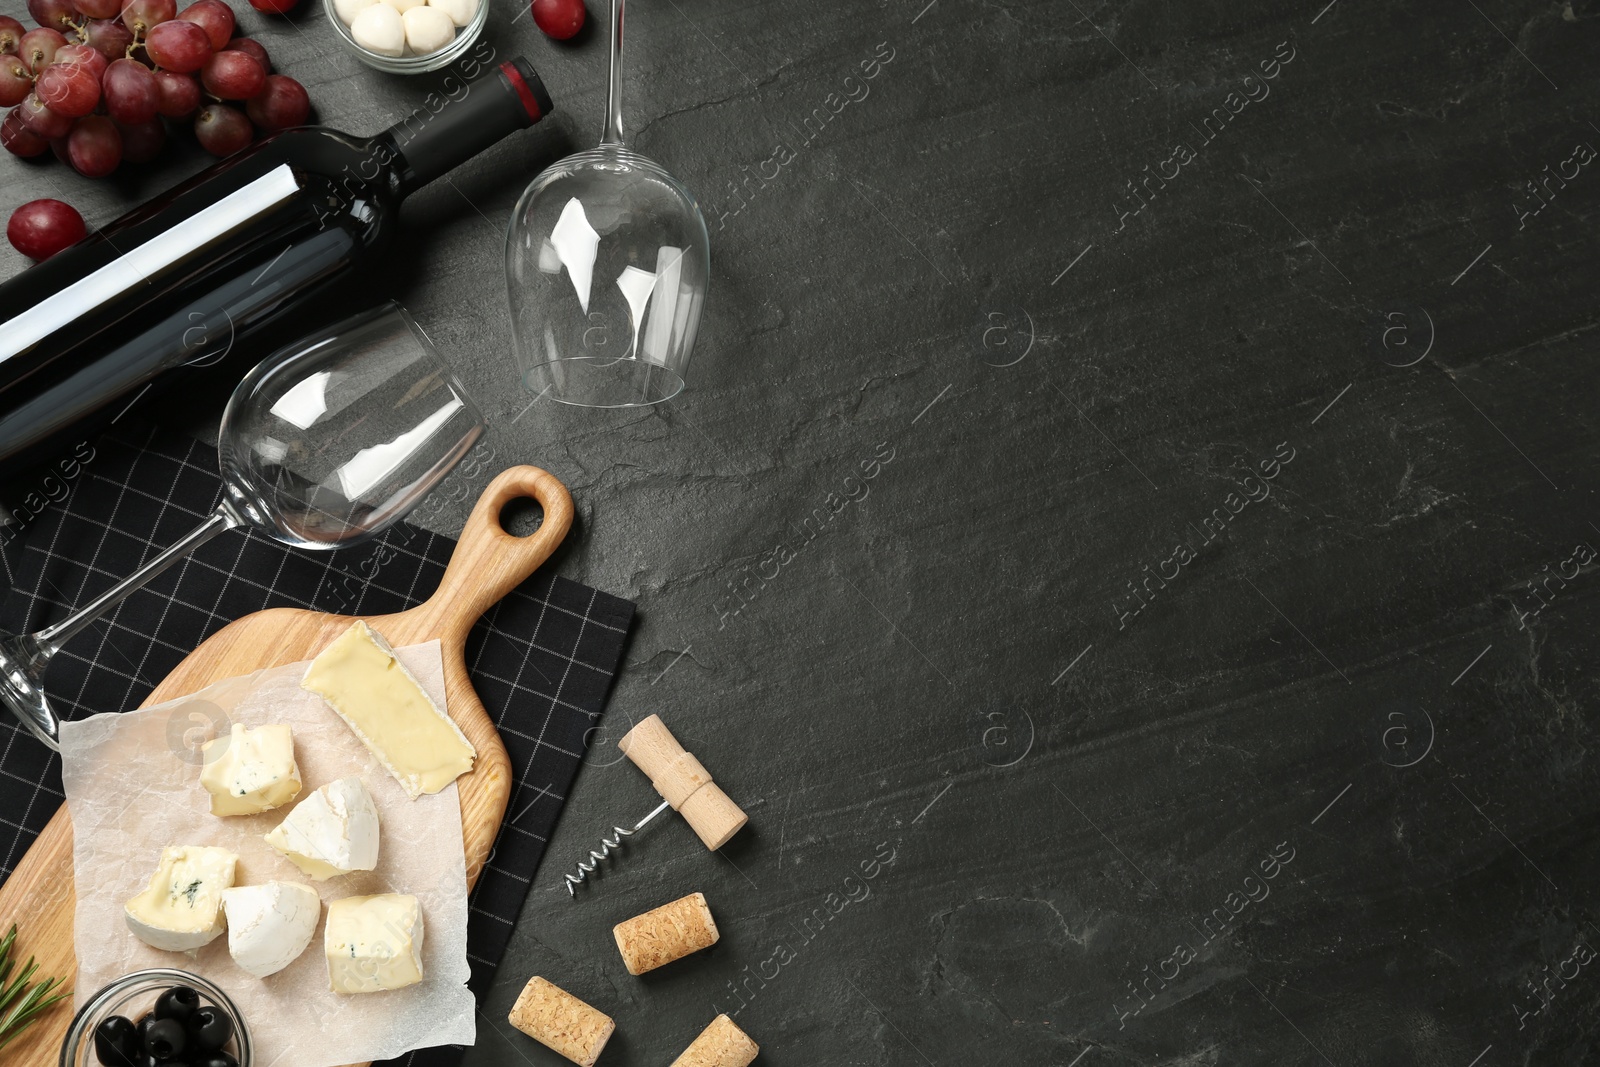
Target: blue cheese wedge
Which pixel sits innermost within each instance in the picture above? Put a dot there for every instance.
(269, 925)
(250, 771)
(360, 678)
(182, 909)
(331, 832)
(374, 943)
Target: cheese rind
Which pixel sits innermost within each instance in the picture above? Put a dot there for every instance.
(269, 925)
(251, 771)
(360, 678)
(374, 943)
(331, 832)
(182, 908)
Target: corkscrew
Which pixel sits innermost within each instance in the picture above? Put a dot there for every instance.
(685, 786)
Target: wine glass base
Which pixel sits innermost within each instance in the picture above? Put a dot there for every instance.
(22, 690)
(603, 382)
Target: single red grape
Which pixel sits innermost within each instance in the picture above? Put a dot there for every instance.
(130, 92)
(94, 147)
(109, 37)
(222, 130)
(274, 7)
(213, 16)
(559, 19)
(281, 105)
(15, 81)
(69, 89)
(99, 9)
(233, 76)
(17, 139)
(179, 45)
(41, 228)
(253, 49)
(142, 143)
(84, 56)
(11, 32)
(141, 16)
(56, 14)
(177, 94)
(38, 117)
(38, 47)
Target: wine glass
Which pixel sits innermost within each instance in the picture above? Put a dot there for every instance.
(607, 263)
(324, 444)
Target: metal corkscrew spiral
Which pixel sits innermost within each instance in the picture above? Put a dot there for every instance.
(607, 844)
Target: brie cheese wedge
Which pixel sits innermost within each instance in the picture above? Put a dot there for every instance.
(270, 925)
(374, 943)
(182, 909)
(330, 832)
(250, 770)
(360, 678)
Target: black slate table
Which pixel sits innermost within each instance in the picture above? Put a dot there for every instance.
(1130, 541)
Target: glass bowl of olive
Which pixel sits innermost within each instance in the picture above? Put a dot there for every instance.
(158, 1018)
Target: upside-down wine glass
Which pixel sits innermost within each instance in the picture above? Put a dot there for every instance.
(607, 263)
(324, 444)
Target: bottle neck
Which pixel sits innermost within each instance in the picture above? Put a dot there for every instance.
(435, 140)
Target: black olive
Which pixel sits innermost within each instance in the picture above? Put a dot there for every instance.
(142, 1026)
(178, 1003)
(116, 1041)
(215, 1059)
(210, 1028)
(165, 1040)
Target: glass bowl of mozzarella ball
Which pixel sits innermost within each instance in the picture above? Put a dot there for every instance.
(408, 36)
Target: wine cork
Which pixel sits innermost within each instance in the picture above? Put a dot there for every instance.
(664, 934)
(561, 1022)
(722, 1044)
(683, 782)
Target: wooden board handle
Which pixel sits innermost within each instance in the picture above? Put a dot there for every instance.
(488, 562)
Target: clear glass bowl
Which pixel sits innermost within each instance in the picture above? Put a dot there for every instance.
(411, 64)
(134, 994)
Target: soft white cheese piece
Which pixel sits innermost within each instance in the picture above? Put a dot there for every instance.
(403, 6)
(374, 943)
(373, 692)
(182, 909)
(269, 925)
(460, 11)
(378, 28)
(347, 10)
(250, 770)
(331, 832)
(428, 29)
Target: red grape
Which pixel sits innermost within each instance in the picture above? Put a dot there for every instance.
(141, 15)
(56, 14)
(130, 92)
(11, 32)
(108, 37)
(177, 94)
(94, 147)
(41, 228)
(251, 48)
(69, 89)
(560, 19)
(15, 81)
(37, 116)
(222, 130)
(17, 139)
(233, 76)
(142, 143)
(38, 48)
(213, 16)
(274, 7)
(99, 9)
(281, 105)
(84, 56)
(179, 45)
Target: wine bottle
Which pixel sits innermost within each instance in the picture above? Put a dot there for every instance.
(188, 280)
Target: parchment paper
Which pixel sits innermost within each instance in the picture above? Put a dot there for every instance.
(133, 787)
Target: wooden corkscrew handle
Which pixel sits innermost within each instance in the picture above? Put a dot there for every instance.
(683, 782)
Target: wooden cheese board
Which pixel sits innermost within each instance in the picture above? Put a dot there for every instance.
(487, 564)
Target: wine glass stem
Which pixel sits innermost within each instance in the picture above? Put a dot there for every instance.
(52, 637)
(613, 131)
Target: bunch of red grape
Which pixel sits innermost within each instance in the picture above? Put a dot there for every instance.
(94, 81)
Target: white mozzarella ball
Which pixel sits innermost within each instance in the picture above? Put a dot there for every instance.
(378, 28)
(403, 6)
(427, 29)
(347, 10)
(460, 11)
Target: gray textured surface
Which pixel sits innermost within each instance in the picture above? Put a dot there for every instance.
(1349, 674)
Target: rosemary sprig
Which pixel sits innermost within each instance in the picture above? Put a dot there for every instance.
(20, 1005)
